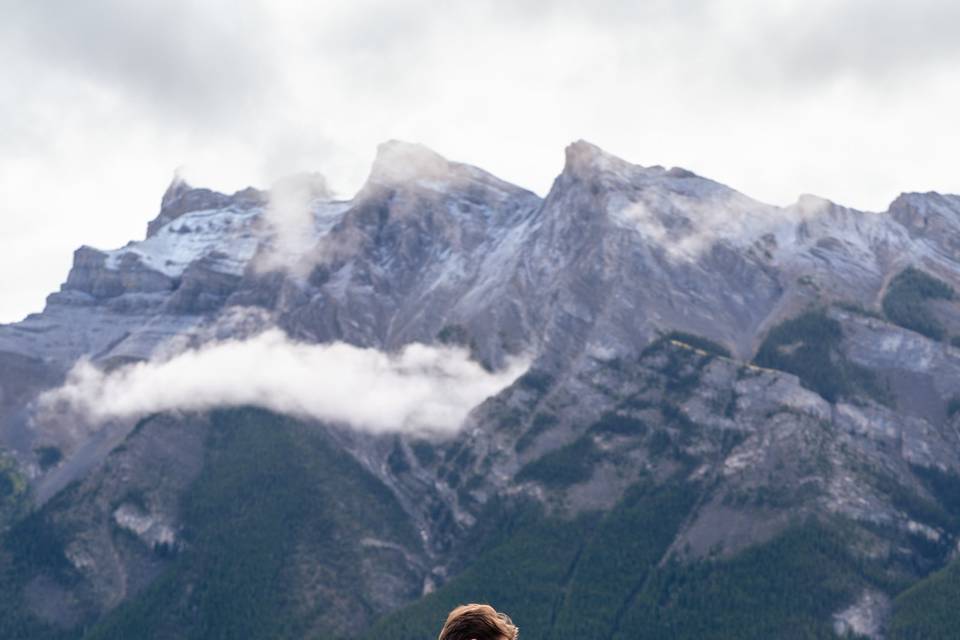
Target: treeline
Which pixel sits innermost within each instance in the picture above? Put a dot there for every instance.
(809, 346)
(787, 588)
(602, 577)
(905, 302)
(559, 578)
(563, 467)
(34, 544)
(929, 608)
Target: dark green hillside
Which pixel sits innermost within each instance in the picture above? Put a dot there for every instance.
(277, 497)
(601, 577)
(523, 569)
(618, 558)
(273, 494)
(31, 545)
(558, 578)
(929, 608)
(787, 588)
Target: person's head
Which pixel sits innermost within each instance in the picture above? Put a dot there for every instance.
(478, 622)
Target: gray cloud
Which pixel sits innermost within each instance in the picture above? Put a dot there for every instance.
(422, 389)
(200, 61)
(873, 42)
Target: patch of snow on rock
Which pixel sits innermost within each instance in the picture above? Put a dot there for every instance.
(228, 236)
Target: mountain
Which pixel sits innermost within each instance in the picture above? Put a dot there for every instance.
(739, 420)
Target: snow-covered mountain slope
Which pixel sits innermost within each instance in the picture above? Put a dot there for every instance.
(226, 236)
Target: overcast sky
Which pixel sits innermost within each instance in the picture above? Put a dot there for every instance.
(102, 100)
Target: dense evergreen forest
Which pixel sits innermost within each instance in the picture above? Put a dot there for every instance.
(905, 302)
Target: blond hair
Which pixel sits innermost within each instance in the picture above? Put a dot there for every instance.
(478, 622)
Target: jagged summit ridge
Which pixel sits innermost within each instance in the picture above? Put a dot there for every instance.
(456, 208)
(455, 232)
(582, 159)
(181, 198)
(585, 160)
(410, 166)
(177, 187)
(398, 161)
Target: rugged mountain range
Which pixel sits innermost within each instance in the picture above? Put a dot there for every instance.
(740, 420)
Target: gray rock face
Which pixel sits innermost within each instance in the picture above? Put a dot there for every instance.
(867, 617)
(180, 198)
(135, 491)
(932, 217)
(91, 275)
(583, 280)
(201, 289)
(624, 250)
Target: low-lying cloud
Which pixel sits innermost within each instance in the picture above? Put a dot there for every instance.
(420, 389)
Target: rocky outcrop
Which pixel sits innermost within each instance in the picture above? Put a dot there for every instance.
(932, 217)
(124, 520)
(201, 289)
(180, 198)
(90, 274)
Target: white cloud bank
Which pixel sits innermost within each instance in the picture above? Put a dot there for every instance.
(422, 389)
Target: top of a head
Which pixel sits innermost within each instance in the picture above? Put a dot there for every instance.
(478, 622)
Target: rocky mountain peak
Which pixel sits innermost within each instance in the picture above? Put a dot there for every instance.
(910, 205)
(932, 216)
(808, 204)
(397, 161)
(585, 159)
(181, 198)
(178, 186)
